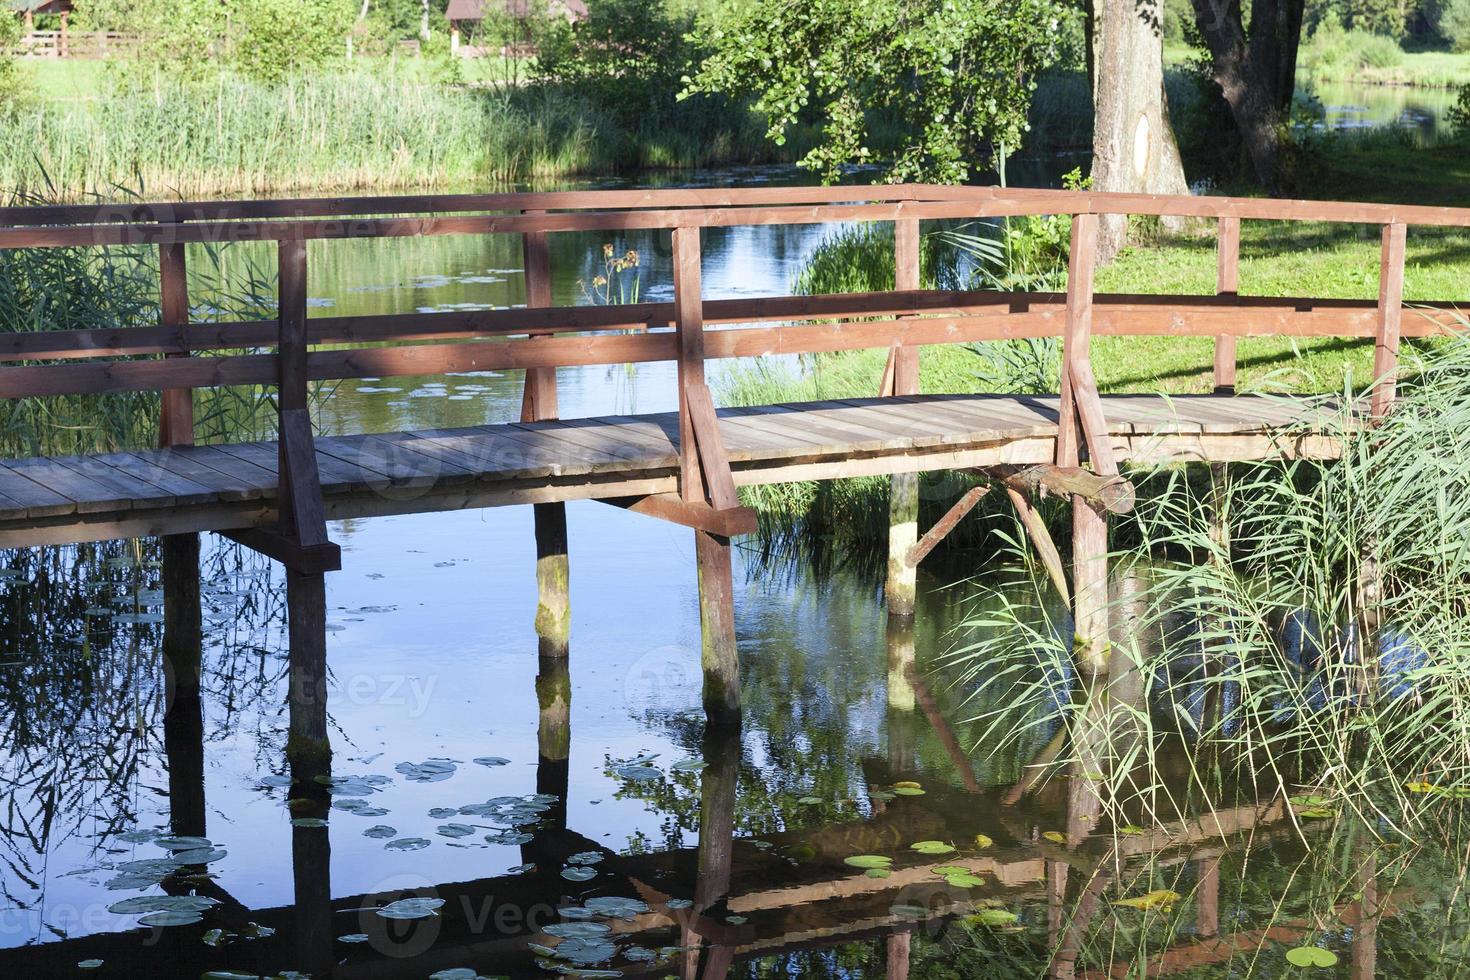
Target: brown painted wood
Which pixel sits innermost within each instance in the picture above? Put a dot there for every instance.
(944, 525)
(728, 523)
(1227, 283)
(689, 350)
(176, 411)
(1077, 348)
(1390, 316)
(906, 252)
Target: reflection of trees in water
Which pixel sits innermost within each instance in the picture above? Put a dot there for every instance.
(82, 694)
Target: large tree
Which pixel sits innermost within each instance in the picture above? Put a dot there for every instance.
(1255, 67)
(1133, 146)
(933, 87)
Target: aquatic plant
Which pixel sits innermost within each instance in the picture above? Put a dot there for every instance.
(1304, 623)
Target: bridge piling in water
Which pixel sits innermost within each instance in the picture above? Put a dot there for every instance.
(901, 377)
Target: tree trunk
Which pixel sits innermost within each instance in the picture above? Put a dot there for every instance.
(1257, 74)
(1133, 146)
(424, 22)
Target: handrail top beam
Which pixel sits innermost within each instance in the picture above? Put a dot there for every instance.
(348, 217)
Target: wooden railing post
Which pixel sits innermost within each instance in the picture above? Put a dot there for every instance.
(176, 408)
(705, 478)
(1390, 315)
(1227, 283)
(901, 377)
(1081, 404)
(538, 403)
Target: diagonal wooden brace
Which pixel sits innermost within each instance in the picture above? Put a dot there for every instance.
(299, 541)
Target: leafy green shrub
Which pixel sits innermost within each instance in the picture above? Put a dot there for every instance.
(10, 80)
(1452, 22)
(271, 39)
(1458, 115)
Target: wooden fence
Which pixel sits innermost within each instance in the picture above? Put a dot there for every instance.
(76, 44)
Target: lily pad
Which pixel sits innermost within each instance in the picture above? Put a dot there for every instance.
(411, 908)
(678, 903)
(878, 872)
(907, 791)
(809, 800)
(455, 830)
(994, 918)
(579, 873)
(407, 844)
(615, 907)
(353, 937)
(1311, 956)
(868, 860)
(183, 843)
(932, 847)
(491, 761)
(578, 930)
(964, 880)
(689, 765)
(170, 917)
(586, 857)
(381, 832)
(88, 964)
(1158, 899)
(455, 973)
(1055, 836)
(309, 823)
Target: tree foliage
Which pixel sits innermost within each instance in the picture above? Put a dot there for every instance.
(954, 79)
(628, 55)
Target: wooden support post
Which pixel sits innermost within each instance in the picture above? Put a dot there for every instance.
(1390, 315)
(176, 409)
(183, 715)
(1227, 283)
(1207, 898)
(554, 735)
(1081, 404)
(945, 524)
(1367, 912)
(900, 642)
(538, 402)
(306, 612)
(704, 477)
(901, 587)
(896, 946)
(718, 783)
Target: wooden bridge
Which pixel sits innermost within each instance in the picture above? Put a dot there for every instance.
(686, 466)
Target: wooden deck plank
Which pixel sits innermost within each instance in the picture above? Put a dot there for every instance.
(34, 499)
(87, 497)
(189, 463)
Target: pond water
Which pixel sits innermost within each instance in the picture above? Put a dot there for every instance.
(1348, 106)
(579, 807)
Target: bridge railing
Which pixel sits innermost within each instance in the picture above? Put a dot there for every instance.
(288, 351)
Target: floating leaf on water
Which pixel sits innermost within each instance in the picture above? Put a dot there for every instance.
(1421, 787)
(736, 920)
(877, 872)
(586, 857)
(407, 844)
(615, 907)
(1131, 830)
(130, 881)
(809, 800)
(510, 838)
(950, 869)
(678, 904)
(640, 954)
(580, 930)
(353, 937)
(578, 873)
(139, 836)
(880, 795)
(214, 937)
(907, 791)
(137, 905)
(411, 908)
(1161, 898)
(431, 771)
(206, 855)
(455, 973)
(183, 843)
(1311, 956)
(381, 832)
(1313, 800)
(455, 830)
(904, 911)
(932, 847)
(994, 918)
(689, 765)
(521, 869)
(982, 842)
(169, 917)
(907, 784)
(275, 781)
(308, 822)
(1055, 836)
(443, 812)
(964, 880)
(1317, 812)
(88, 964)
(638, 774)
(868, 860)
(491, 760)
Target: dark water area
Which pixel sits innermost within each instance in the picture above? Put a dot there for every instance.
(574, 817)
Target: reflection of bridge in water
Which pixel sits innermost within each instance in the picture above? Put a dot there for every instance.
(725, 901)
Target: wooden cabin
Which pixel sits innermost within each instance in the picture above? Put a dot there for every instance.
(466, 16)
